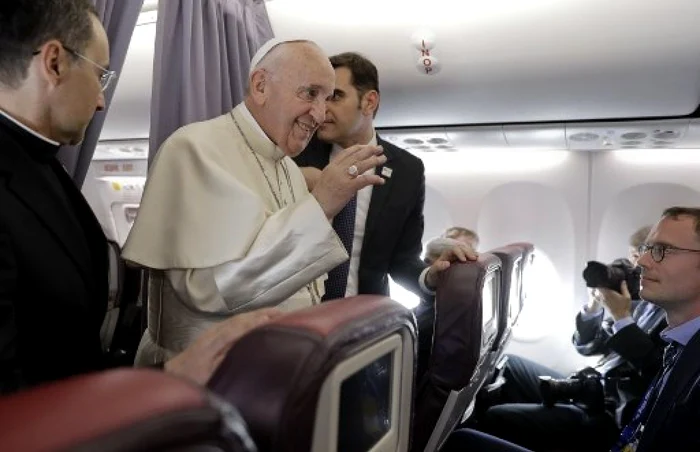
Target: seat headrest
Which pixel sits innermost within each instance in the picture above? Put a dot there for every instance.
(274, 374)
(458, 321)
(118, 410)
(527, 248)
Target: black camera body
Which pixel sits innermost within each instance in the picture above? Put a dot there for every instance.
(584, 388)
(597, 274)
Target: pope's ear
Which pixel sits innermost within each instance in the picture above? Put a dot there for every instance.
(258, 85)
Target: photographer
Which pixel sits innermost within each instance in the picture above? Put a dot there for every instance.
(585, 411)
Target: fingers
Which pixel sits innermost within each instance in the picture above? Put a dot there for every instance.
(470, 253)
(624, 290)
(462, 253)
(363, 181)
(353, 154)
(606, 294)
(233, 328)
(370, 162)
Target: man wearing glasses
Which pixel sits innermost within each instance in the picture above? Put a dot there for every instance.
(667, 417)
(53, 255)
(625, 334)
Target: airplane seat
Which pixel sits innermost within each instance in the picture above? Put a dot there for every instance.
(121, 329)
(334, 377)
(123, 410)
(528, 250)
(466, 325)
(512, 260)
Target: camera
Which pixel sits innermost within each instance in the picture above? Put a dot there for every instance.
(597, 274)
(585, 388)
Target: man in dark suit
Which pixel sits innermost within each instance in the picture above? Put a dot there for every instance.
(382, 227)
(631, 348)
(53, 254)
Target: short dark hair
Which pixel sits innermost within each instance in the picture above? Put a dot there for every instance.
(364, 76)
(694, 212)
(458, 231)
(639, 237)
(25, 25)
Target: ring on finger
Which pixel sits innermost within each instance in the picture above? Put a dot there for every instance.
(352, 170)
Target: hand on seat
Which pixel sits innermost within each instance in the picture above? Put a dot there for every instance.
(460, 252)
(198, 361)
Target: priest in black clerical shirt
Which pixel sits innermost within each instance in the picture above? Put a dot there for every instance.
(53, 285)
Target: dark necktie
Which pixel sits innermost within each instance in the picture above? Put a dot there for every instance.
(632, 432)
(344, 225)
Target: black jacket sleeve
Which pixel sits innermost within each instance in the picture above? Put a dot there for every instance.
(406, 265)
(638, 348)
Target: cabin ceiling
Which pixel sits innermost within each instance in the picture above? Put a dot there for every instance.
(514, 61)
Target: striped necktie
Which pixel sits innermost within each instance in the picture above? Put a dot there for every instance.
(344, 225)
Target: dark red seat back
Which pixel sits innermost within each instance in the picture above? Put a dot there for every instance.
(466, 325)
(119, 411)
(277, 374)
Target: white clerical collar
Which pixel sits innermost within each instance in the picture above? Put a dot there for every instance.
(33, 132)
(276, 153)
(336, 147)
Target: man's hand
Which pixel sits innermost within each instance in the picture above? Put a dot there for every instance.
(461, 252)
(336, 186)
(618, 303)
(595, 301)
(199, 361)
(311, 175)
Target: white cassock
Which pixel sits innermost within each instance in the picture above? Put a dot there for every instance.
(226, 225)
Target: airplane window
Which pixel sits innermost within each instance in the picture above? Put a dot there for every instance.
(545, 300)
(365, 408)
(403, 296)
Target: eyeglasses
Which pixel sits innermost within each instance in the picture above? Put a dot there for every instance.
(659, 250)
(106, 77)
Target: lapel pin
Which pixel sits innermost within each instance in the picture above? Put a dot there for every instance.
(386, 172)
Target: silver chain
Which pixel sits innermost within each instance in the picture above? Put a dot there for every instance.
(279, 200)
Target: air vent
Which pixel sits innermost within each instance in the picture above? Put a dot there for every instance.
(629, 147)
(422, 147)
(437, 141)
(584, 136)
(413, 141)
(666, 134)
(663, 143)
(444, 146)
(632, 143)
(633, 136)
